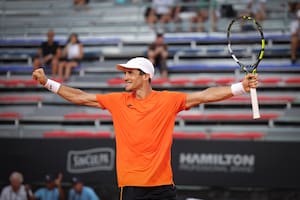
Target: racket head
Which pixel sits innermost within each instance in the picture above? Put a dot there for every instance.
(246, 30)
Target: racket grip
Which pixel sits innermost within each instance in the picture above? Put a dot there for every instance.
(254, 102)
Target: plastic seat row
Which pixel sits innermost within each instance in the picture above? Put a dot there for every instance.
(227, 116)
(175, 81)
(212, 116)
(98, 119)
(37, 100)
(208, 80)
(21, 99)
(77, 134)
(17, 82)
(219, 135)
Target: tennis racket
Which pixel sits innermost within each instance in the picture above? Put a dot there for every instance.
(246, 31)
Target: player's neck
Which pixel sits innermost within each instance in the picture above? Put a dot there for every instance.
(143, 92)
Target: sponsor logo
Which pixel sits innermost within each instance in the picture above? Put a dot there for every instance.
(90, 160)
(212, 162)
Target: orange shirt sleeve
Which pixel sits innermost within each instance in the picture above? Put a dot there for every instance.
(108, 101)
(178, 99)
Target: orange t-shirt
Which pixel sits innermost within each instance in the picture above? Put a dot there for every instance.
(143, 130)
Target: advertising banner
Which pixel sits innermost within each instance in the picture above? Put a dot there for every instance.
(236, 163)
(195, 162)
(91, 159)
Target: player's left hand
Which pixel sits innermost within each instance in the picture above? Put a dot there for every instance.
(250, 81)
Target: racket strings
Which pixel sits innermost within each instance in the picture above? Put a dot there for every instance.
(245, 42)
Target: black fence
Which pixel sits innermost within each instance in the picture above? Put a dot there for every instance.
(196, 163)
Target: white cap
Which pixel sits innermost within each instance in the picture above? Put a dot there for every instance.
(138, 63)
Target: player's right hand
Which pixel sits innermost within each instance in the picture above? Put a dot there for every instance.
(250, 81)
(39, 75)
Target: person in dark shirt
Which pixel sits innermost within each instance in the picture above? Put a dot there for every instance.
(158, 54)
(49, 53)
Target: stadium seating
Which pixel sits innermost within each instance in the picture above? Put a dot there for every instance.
(233, 135)
(196, 61)
(76, 134)
(189, 135)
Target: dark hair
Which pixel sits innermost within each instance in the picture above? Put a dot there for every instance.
(35, 57)
(147, 12)
(142, 73)
(73, 34)
(159, 35)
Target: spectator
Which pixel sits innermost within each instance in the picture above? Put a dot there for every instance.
(71, 56)
(257, 9)
(185, 12)
(53, 189)
(80, 2)
(16, 190)
(161, 11)
(158, 54)
(188, 10)
(81, 192)
(204, 14)
(49, 53)
(150, 17)
(295, 33)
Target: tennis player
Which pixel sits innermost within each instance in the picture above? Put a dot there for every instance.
(143, 123)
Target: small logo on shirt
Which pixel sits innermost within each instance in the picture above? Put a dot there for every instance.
(129, 105)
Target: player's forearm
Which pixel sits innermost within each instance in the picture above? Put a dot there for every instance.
(224, 92)
(209, 95)
(72, 95)
(216, 94)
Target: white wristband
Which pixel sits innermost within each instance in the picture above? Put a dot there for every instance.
(52, 86)
(237, 89)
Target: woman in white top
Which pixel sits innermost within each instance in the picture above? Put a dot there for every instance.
(71, 56)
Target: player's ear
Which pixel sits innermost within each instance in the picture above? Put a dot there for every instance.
(146, 77)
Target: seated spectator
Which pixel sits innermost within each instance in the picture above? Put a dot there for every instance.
(53, 189)
(150, 17)
(81, 192)
(187, 10)
(161, 11)
(256, 9)
(49, 53)
(71, 56)
(203, 14)
(16, 190)
(295, 34)
(158, 54)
